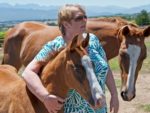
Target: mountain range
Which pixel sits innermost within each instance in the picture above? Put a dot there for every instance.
(36, 12)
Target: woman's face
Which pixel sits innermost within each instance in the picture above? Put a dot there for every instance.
(78, 23)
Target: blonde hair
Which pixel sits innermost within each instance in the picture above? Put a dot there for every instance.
(66, 13)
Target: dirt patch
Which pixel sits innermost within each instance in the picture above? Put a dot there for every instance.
(141, 103)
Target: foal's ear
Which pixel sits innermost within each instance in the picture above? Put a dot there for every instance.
(73, 44)
(85, 42)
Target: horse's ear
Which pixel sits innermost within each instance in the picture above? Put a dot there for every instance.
(73, 43)
(85, 42)
(146, 31)
(125, 30)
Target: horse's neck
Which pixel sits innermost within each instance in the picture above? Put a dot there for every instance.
(108, 36)
(106, 23)
(94, 25)
(111, 48)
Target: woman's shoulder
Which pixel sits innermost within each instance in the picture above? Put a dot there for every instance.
(57, 39)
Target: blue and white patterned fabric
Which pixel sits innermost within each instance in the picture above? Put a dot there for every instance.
(50, 47)
(74, 102)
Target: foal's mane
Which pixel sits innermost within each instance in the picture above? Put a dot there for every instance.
(50, 58)
(56, 53)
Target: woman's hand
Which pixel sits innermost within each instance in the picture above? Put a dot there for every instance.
(53, 103)
(114, 104)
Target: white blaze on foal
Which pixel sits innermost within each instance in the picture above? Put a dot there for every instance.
(97, 92)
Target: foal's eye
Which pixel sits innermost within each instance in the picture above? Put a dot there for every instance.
(78, 67)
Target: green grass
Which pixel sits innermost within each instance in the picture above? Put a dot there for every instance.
(114, 65)
(146, 63)
(147, 44)
(2, 35)
(118, 83)
(145, 108)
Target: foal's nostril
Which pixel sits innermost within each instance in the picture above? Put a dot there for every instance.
(91, 101)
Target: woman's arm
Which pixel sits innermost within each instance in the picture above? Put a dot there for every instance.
(33, 81)
(30, 74)
(51, 102)
(114, 102)
(110, 82)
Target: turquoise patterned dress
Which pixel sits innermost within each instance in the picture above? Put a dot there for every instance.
(74, 102)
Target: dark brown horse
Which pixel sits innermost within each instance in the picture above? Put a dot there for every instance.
(66, 71)
(116, 35)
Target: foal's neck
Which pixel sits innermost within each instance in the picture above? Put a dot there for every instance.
(53, 76)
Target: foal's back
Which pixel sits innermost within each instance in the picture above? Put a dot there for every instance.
(14, 97)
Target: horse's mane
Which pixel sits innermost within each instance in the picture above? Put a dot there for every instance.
(110, 19)
(108, 23)
(133, 25)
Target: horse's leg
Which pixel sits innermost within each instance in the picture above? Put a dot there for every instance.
(12, 48)
(12, 59)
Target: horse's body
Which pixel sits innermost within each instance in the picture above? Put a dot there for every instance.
(115, 35)
(18, 41)
(58, 76)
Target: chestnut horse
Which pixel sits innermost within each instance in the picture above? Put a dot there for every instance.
(67, 70)
(116, 35)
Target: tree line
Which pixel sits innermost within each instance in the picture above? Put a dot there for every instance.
(142, 18)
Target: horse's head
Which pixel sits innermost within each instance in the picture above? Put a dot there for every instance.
(72, 69)
(131, 55)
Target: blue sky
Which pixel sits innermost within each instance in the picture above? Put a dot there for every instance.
(122, 3)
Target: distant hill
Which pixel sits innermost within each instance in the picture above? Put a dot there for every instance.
(36, 12)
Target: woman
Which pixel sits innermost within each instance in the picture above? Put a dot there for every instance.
(72, 21)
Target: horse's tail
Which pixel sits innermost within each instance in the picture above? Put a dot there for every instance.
(12, 47)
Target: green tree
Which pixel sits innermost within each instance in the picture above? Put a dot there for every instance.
(142, 18)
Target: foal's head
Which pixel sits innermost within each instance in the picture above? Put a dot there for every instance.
(72, 69)
(131, 56)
